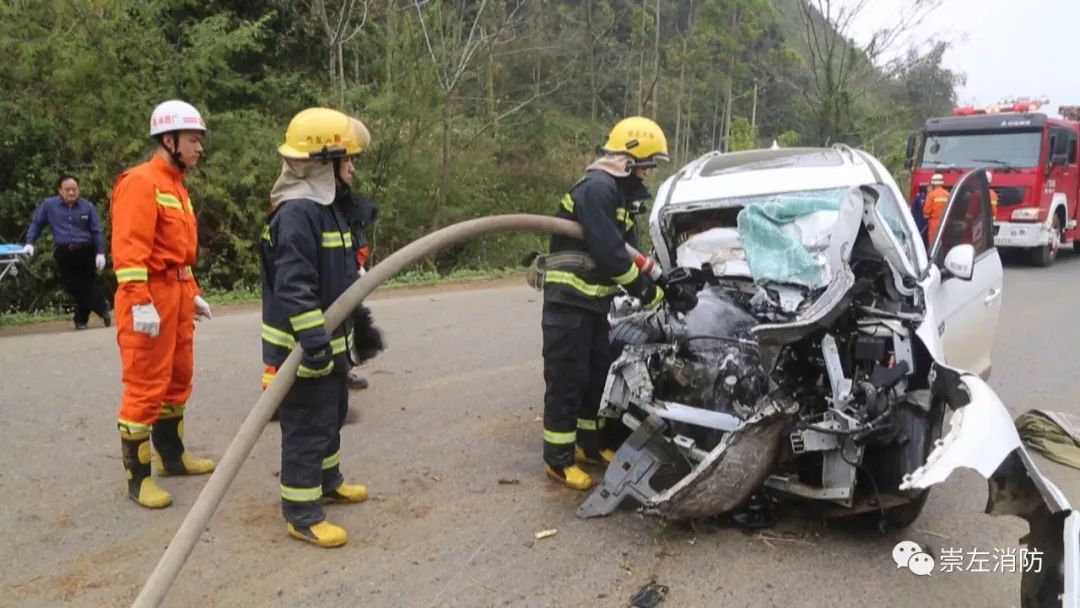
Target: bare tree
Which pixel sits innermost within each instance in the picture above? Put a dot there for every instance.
(337, 18)
(458, 36)
(842, 69)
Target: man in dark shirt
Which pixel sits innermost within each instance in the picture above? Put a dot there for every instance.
(79, 247)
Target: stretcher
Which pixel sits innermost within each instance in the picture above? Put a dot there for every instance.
(11, 258)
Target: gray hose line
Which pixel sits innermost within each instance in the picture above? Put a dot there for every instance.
(168, 567)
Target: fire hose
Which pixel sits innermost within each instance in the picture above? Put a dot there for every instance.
(176, 554)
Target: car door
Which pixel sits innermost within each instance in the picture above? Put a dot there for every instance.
(967, 310)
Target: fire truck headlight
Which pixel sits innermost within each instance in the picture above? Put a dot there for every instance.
(1028, 214)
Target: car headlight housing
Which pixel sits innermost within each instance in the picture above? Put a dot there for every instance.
(1026, 214)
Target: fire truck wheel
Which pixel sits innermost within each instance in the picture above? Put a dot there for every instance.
(1045, 256)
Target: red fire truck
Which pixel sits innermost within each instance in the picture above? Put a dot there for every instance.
(1033, 159)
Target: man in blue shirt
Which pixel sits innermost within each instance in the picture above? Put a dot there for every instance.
(79, 250)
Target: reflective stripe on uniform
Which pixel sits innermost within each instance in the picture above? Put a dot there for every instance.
(572, 280)
(621, 215)
(266, 235)
(339, 345)
(167, 200)
(306, 372)
(134, 273)
(171, 410)
(277, 337)
(337, 239)
(567, 203)
(656, 299)
(627, 277)
(586, 425)
(559, 438)
(301, 494)
(331, 461)
(307, 320)
(132, 428)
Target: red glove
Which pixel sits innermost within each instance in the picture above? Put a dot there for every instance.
(362, 255)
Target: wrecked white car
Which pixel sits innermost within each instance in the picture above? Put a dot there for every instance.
(824, 356)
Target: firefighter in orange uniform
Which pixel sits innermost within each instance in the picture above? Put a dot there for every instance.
(934, 208)
(154, 243)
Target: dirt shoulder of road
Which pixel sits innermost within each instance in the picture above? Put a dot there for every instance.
(382, 293)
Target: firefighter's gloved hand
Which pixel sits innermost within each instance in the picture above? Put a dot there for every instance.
(146, 319)
(681, 297)
(202, 309)
(99, 261)
(316, 363)
(367, 339)
(644, 289)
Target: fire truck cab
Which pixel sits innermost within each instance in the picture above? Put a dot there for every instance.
(1033, 159)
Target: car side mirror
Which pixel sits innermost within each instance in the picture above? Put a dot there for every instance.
(960, 262)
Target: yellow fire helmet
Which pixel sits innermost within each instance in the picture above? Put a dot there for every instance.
(324, 134)
(640, 138)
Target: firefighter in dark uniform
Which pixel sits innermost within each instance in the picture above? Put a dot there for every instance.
(308, 260)
(580, 280)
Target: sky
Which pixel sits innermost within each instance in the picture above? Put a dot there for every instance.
(1006, 48)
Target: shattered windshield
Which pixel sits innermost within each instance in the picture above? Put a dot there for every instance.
(786, 236)
(1013, 149)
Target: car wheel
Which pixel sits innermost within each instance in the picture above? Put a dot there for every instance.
(1045, 256)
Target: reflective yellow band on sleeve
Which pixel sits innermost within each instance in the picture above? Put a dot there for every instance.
(570, 279)
(301, 494)
(339, 345)
(167, 200)
(659, 297)
(307, 320)
(627, 277)
(559, 438)
(135, 273)
(567, 203)
(306, 372)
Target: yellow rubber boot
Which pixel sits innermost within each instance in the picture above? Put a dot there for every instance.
(168, 436)
(572, 476)
(141, 487)
(601, 457)
(347, 493)
(322, 534)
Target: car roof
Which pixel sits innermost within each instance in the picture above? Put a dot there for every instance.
(757, 172)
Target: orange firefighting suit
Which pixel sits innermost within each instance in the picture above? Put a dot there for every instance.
(154, 244)
(934, 209)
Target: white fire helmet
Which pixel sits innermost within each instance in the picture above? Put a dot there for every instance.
(175, 115)
(937, 179)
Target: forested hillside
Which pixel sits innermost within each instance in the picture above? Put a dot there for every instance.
(475, 107)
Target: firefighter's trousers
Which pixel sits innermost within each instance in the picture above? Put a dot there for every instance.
(311, 417)
(577, 356)
(157, 371)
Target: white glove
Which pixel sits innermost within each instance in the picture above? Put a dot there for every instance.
(146, 319)
(28, 249)
(99, 261)
(202, 309)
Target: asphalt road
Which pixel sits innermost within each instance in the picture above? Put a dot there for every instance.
(454, 407)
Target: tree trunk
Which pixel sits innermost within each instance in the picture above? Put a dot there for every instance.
(656, 66)
(391, 43)
(728, 108)
(443, 192)
(593, 93)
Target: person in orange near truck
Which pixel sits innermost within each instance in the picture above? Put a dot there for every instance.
(993, 196)
(154, 243)
(934, 208)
